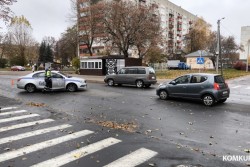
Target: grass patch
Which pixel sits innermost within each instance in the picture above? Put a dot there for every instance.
(172, 74)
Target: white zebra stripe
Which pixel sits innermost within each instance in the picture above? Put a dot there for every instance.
(18, 118)
(7, 108)
(32, 133)
(79, 153)
(23, 125)
(133, 159)
(236, 87)
(248, 87)
(12, 112)
(39, 146)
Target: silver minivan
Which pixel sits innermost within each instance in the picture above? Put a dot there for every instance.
(134, 75)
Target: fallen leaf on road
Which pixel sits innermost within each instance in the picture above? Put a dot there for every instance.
(36, 104)
(247, 150)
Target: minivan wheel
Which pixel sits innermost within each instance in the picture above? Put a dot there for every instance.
(30, 88)
(139, 83)
(208, 100)
(163, 95)
(110, 82)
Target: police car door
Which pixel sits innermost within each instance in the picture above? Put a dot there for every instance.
(39, 79)
(58, 81)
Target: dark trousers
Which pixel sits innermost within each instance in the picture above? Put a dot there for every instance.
(48, 82)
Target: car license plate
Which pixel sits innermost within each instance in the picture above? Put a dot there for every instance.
(225, 92)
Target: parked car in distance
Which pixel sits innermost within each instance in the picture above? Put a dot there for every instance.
(209, 88)
(17, 68)
(36, 81)
(137, 75)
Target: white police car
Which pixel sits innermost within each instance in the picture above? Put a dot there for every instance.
(35, 81)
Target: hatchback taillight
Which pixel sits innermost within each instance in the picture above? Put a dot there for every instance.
(216, 86)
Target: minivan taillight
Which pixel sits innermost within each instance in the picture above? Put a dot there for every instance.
(216, 86)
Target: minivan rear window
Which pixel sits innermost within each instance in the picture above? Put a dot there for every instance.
(219, 79)
(151, 71)
(141, 71)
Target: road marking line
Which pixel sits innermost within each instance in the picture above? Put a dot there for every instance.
(12, 112)
(18, 118)
(79, 153)
(23, 125)
(39, 146)
(32, 133)
(7, 108)
(133, 159)
(236, 87)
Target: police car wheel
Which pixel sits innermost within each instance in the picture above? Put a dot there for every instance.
(30, 88)
(71, 87)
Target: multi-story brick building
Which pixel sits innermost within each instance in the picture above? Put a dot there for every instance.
(175, 23)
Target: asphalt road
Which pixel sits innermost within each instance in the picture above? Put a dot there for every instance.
(173, 132)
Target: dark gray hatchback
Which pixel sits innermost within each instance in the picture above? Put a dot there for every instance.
(209, 88)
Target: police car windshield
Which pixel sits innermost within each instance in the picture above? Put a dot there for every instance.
(66, 75)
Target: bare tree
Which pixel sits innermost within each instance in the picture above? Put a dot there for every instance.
(198, 37)
(5, 12)
(21, 36)
(129, 25)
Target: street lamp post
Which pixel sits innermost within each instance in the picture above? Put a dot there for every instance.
(248, 43)
(219, 44)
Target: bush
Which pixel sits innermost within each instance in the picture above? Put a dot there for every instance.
(3, 63)
(240, 65)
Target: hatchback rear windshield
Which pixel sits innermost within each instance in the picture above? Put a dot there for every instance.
(219, 79)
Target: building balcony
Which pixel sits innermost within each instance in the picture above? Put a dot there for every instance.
(179, 17)
(179, 22)
(171, 26)
(190, 22)
(178, 41)
(179, 29)
(171, 19)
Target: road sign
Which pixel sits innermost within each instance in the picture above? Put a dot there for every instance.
(200, 60)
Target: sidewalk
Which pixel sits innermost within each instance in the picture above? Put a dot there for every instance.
(89, 78)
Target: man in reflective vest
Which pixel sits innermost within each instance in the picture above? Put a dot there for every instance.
(48, 80)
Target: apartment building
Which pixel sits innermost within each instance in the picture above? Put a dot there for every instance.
(175, 23)
(245, 38)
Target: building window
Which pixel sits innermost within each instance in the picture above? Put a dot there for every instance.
(91, 64)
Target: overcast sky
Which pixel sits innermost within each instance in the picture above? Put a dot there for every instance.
(236, 13)
(49, 17)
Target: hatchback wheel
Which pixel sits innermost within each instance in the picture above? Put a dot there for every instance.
(71, 87)
(163, 95)
(139, 83)
(208, 100)
(30, 88)
(110, 82)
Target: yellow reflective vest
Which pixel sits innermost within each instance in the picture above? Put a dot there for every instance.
(48, 73)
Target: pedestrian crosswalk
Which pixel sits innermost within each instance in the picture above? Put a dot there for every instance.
(13, 115)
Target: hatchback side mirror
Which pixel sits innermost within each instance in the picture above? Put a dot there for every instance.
(173, 82)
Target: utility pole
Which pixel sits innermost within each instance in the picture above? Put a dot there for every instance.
(219, 42)
(248, 42)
